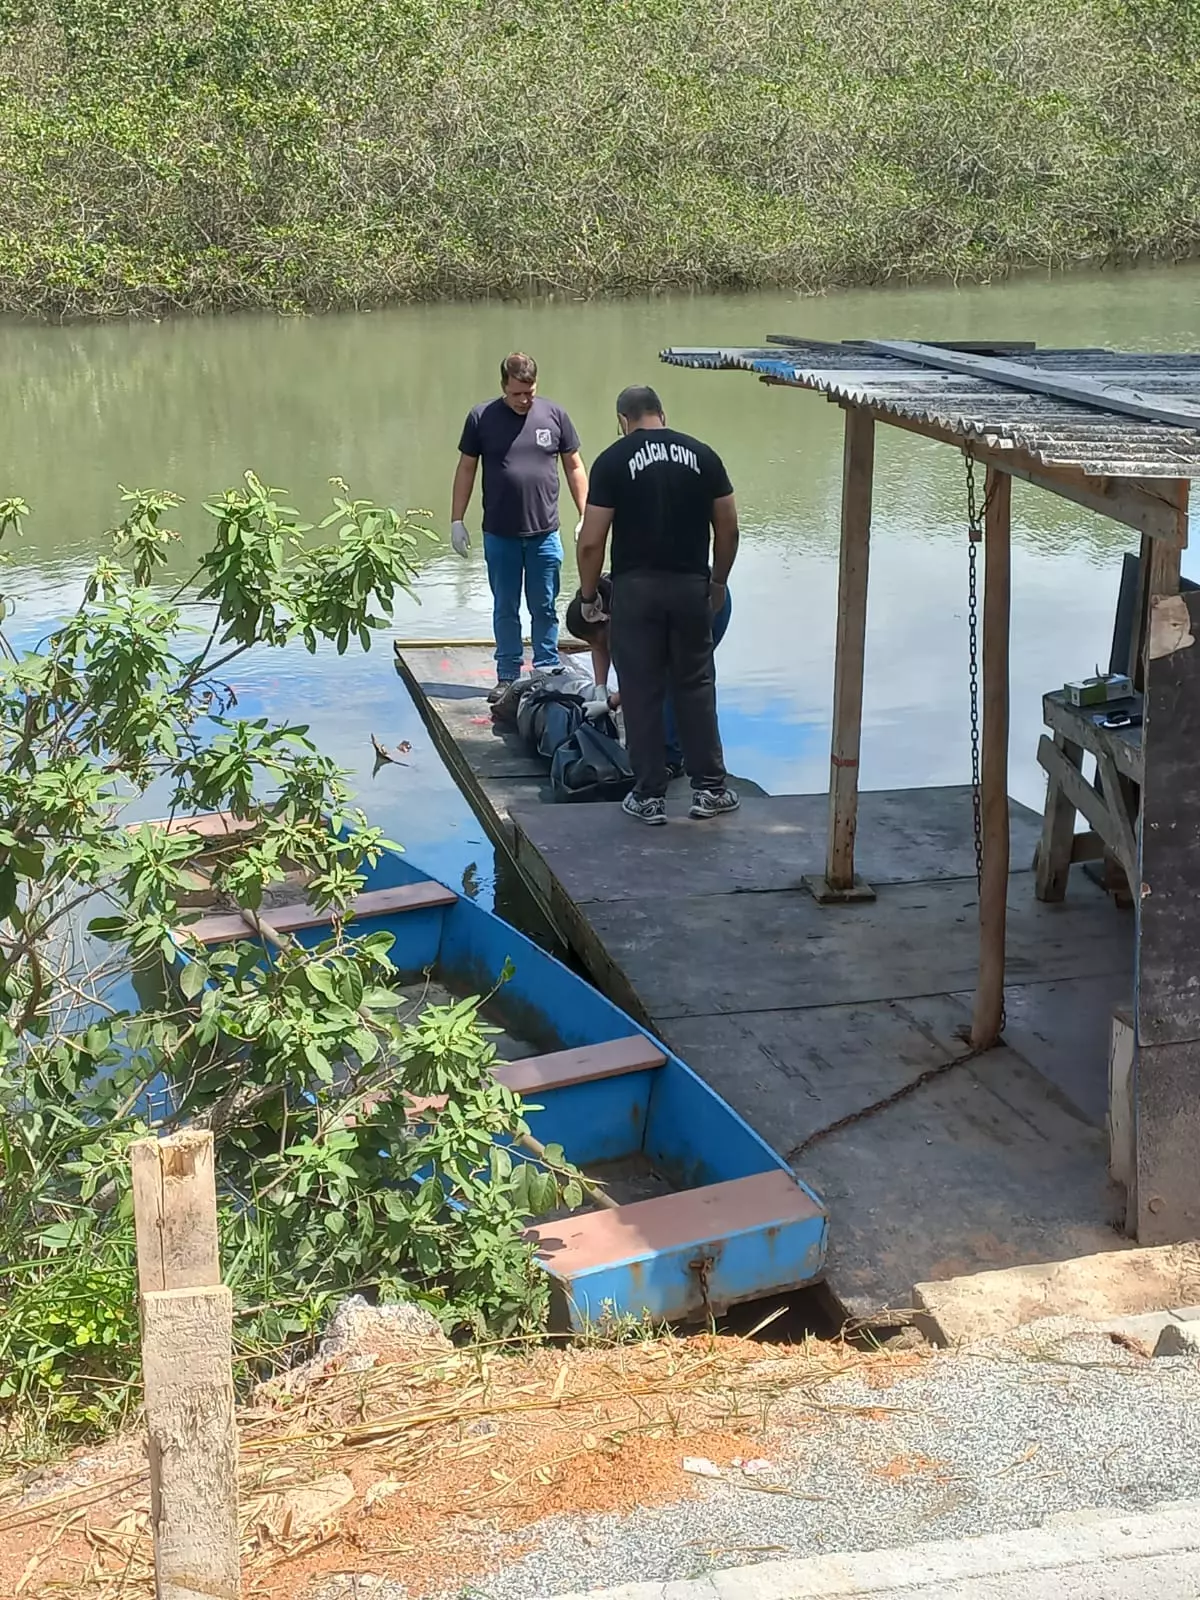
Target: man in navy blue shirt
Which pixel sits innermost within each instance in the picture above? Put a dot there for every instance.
(521, 439)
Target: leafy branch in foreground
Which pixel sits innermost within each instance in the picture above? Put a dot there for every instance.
(302, 1061)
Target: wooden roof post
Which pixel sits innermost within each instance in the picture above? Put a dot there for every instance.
(987, 1019)
(858, 467)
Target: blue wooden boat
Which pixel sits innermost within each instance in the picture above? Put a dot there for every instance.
(707, 1216)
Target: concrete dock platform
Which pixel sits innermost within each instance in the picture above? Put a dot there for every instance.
(804, 1016)
(807, 1019)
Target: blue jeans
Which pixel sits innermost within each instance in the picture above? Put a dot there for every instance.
(670, 727)
(534, 562)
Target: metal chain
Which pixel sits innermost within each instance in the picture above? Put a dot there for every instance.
(919, 1082)
(974, 538)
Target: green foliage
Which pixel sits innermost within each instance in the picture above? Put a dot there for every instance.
(308, 153)
(302, 1062)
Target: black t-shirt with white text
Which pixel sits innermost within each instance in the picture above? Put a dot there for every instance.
(660, 486)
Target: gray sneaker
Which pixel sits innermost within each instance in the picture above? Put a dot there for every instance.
(713, 803)
(653, 810)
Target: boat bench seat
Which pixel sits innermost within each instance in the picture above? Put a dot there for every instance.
(226, 926)
(537, 1074)
(688, 1219)
(689, 1255)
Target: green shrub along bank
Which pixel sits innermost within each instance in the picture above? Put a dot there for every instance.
(160, 154)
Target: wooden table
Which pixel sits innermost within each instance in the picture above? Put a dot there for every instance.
(1110, 805)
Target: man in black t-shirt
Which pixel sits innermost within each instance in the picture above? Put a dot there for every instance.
(521, 438)
(661, 493)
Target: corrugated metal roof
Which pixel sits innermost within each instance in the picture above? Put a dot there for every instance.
(1054, 432)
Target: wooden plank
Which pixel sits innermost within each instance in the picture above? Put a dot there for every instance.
(986, 347)
(1167, 1010)
(465, 675)
(1158, 573)
(1088, 846)
(1076, 724)
(175, 1211)
(1031, 379)
(1087, 800)
(187, 1354)
(733, 953)
(534, 1075)
(904, 836)
(224, 927)
(1056, 847)
(1116, 794)
(858, 466)
(988, 1011)
(1122, 1138)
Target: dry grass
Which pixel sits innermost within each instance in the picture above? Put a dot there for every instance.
(453, 1458)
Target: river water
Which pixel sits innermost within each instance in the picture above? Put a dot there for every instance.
(378, 398)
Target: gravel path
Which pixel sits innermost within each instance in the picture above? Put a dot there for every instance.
(1053, 1418)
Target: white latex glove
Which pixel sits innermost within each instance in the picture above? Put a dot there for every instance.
(593, 609)
(579, 527)
(460, 538)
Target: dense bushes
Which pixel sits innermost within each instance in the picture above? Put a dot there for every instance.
(213, 153)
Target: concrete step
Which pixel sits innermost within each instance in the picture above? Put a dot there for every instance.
(1119, 1283)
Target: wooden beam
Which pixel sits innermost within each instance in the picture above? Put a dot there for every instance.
(981, 347)
(1097, 395)
(993, 889)
(1056, 848)
(1103, 815)
(175, 1211)
(187, 1368)
(858, 466)
(1122, 1125)
(1159, 562)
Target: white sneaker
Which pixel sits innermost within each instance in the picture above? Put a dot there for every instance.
(713, 803)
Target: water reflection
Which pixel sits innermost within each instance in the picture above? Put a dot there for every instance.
(378, 398)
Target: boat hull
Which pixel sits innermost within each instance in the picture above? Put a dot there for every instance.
(736, 1225)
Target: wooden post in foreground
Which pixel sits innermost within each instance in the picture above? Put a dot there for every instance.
(993, 888)
(175, 1212)
(187, 1370)
(858, 466)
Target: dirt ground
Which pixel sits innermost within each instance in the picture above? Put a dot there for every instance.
(430, 1465)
